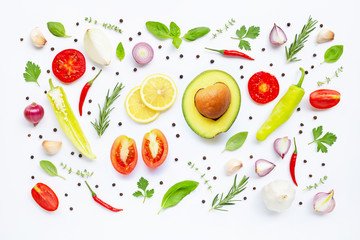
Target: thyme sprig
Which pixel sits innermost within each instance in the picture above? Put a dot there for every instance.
(217, 203)
(321, 181)
(299, 41)
(83, 174)
(103, 123)
(328, 79)
(192, 165)
(229, 23)
(105, 25)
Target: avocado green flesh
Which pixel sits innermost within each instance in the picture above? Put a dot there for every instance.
(201, 125)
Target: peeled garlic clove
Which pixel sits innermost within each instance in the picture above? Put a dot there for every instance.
(98, 46)
(324, 202)
(325, 35)
(282, 146)
(277, 36)
(233, 166)
(263, 167)
(51, 147)
(37, 38)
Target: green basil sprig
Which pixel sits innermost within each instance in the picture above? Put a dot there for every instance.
(57, 29)
(120, 52)
(161, 31)
(236, 141)
(177, 192)
(49, 168)
(333, 53)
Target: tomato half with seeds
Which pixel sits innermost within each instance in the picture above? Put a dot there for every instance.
(154, 148)
(45, 197)
(124, 154)
(69, 65)
(324, 98)
(263, 87)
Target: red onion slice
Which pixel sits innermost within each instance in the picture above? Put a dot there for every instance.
(324, 202)
(143, 53)
(263, 167)
(277, 36)
(282, 146)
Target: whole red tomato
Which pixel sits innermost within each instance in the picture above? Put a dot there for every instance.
(124, 154)
(45, 197)
(69, 65)
(324, 98)
(154, 148)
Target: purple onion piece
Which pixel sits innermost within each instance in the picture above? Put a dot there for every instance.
(263, 167)
(142, 53)
(277, 36)
(282, 146)
(324, 202)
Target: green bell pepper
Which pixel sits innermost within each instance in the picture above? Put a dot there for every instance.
(283, 110)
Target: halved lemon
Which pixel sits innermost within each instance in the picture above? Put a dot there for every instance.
(158, 92)
(137, 110)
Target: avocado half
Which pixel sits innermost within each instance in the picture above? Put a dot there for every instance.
(206, 127)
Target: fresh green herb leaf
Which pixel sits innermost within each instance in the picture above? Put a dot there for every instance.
(143, 184)
(174, 30)
(236, 141)
(321, 181)
(317, 132)
(149, 193)
(328, 79)
(192, 165)
(83, 174)
(57, 29)
(333, 53)
(229, 23)
(158, 29)
(50, 168)
(253, 32)
(176, 193)
(105, 25)
(120, 52)
(32, 72)
(177, 42)
(196, 33)
(328, 139)
(242, 33)
(138, 194)
(243, 44)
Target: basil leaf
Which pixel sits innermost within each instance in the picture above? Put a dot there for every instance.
(333, 53)
(49, 168)
(177, 192)
(174, 30)
(158, 29)
(120, 52)
(196, 33)
(176, 42)
(57, 29)
(236, 141)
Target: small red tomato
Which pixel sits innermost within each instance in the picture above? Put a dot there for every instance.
(263, 87)
(69, 65)
(324, 98)
(124, 154)
(45, 197)
(154, 148)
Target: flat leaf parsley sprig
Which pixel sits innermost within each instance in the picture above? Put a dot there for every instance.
(32, 72)
(328, 139)
(142, 185)
(242, 33)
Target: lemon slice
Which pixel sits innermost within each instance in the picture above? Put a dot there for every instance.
(158, 92)
(137, 110)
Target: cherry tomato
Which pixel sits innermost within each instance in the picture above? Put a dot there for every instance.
(324, 98)
(263, 87)
(45, 197)
(69, 65)
(154, 148)
(124, 154)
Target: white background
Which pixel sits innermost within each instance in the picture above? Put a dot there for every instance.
(22, 218)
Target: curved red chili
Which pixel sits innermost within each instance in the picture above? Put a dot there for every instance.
(292, 164)
(84, 92)
(233, 53)
(101, 202)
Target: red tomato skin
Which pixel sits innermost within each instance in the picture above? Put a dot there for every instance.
(45, 197)
(69, 72)
(146, 153)
(324, 98)
(263, 87)
(130, 163)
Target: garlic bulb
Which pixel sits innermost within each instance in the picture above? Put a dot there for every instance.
(278, 195)
(37, 38)
(233, 166)
(51, 147)
(98, 46)
(325, 35)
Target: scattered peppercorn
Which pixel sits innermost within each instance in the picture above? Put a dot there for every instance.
(27, 98)
(80, 155)
(117, 73)
(48, 71)
(173, 124)
(32, 177)
(45, 92)
(181, 76)
(298, 109)
(254, 188)
(204, 157)
(197, 56)
(77, 24)
(323, 164)
(212, 61)
(79, 184)
(245, 198)
(177, 135)
(241, 67)
(135, 69)
(120, 123)
(139, 33)
(300, 131)
(21, 39)
(89, 113)
(96, 186)
(71, 209)
(310, 175)
(314, 55)
(40, 136)
(66, 194)
(29, 135)
(121, 194)
(283, 74)
(208, 168)
(214, 177)
(55, 129)
(93, 68)
(305, 161)
(72, 153)
(159, 46)
(288, 24)
(300, 203)
(52, 49)
(250, 117)
(161, 182)
(263, 49)
(121, 20)
(75, 40)
(321, 25)
(242, 76)
(315, 117)
(90, 101)
(130, 39)
(301, 124)
(176, 159)
(181, 56)
(113, 184)
(167, 57)
(312, 66)
(32, 156)
(306, 72)
(251, 156)
(271, 64)
(203, 201)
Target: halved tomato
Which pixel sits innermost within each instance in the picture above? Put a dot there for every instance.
(69, 65)
(124, 154)
(263, 87)
(154, 148)
(45, 197)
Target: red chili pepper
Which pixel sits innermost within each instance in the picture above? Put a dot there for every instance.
(84, 92)
(292, 164)
(99, 201)
(231, 53)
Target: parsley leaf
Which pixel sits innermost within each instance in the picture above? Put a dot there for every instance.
(244, 45)
(317, 132)
(143, 184)
(138, 194)
(253, 32)
(242, 33)
(328, 139)
(32, 72)
(149, 193)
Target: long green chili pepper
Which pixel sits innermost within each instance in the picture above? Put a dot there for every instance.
(67, 120)
(283, 110)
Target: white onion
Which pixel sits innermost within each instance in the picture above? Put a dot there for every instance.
(263, 167)
(98, 46)
(143, 53)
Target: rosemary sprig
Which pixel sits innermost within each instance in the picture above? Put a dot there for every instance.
(299, 41)
(105, 25)
(83, 174)
(328, 79)
(104, 113)
(321, 181)
(229, 23)
(217, 203)
(192, 165)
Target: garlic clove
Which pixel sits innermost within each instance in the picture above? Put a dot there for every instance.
(324, 202)
(325, 35)
(37, 38)
(51, 147)
(233, 166)
(277, 36)
(282, 146)
(98, 46)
